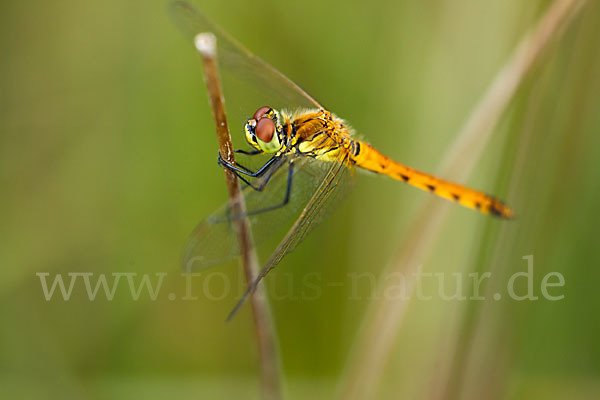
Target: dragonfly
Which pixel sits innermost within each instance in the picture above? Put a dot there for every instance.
(311, 155)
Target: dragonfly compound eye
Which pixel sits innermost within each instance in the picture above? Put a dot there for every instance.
(261, 112)
(265, 129)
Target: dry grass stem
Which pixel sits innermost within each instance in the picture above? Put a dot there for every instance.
(265, 334)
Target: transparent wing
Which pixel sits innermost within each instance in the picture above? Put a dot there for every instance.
(214, 240)
(248, 82)
(330, 190)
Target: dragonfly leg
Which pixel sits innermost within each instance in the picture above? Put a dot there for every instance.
(285, 201)
(246, 171)
(248, 152)
(246, 182)
(237, 164)
(240, 171)
(245, 152)
(260, 187)
(267, 177)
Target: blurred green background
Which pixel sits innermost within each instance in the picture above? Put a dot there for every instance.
(108, 160)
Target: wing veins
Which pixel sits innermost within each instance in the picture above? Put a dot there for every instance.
(297, 232)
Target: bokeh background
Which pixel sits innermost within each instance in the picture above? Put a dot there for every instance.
(108, 161)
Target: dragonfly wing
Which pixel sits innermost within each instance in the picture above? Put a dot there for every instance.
(247, 82)
(331, 189)
(214, 240)
(242, 71)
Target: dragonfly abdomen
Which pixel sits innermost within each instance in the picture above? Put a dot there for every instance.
(367, 157)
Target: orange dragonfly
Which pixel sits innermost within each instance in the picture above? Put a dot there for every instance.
(311, 156)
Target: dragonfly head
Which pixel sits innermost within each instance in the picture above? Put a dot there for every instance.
(264, 130)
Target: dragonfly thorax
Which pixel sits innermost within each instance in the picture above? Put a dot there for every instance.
(264, 131)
